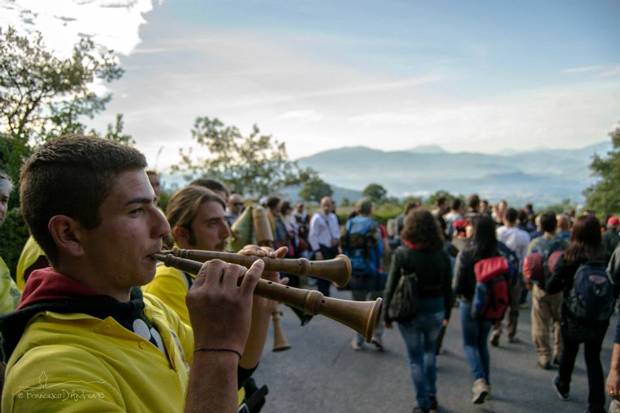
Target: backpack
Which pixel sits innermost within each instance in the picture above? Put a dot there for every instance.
(538, 266)
(491, 300)
(591, 297)
(513, 263)
(405, 302)
(358, 243)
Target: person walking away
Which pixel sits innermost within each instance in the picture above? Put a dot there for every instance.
(564, 227)
(611, 236)
(517, 241)
(483, 245)
(546, 306)
(455, 214)
(324, 238)
(587, 305)
(363, 244)
(423, 255)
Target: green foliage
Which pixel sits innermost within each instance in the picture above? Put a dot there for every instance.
(315, 189)
(42, 95)
(14, 236)
(252, 165)
(432, 200)
(375, 193)
(563, 207)
(604, 196)
(386, 212)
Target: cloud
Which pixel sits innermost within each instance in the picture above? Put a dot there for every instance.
(113, 24)
(582, 69)
(302, 115)
(613, 72)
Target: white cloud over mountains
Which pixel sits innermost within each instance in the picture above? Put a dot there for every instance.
(113, 24)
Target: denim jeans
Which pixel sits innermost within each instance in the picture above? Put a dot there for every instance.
(420, 335)
(475, 342)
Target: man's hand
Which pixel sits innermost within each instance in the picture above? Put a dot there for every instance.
(318, 256)
(260, 303)
(219, 310)
(613, 384)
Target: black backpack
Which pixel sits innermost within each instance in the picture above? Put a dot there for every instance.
(591, 298)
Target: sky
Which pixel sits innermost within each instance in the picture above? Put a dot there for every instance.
(479, 76)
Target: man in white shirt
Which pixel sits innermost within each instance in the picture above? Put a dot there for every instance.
(324, 237)
(518, 241)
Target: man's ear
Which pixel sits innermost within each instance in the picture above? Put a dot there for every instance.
(181, 235)
(67, 234)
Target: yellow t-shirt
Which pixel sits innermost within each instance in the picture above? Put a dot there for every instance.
(9, 293)
(170, 286)
(30, 254)
(76, 362)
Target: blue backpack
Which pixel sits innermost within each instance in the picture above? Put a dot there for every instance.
(360, 245)
(591, 298)
(513, 263)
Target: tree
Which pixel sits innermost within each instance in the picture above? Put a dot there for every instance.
(316, 189)
(603, 196)
(43, 96)
(251, 165)
(375, 193)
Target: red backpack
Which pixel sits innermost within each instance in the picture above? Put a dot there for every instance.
(538, 266)
(491, 299)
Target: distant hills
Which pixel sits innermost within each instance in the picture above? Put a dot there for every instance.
(543, 176)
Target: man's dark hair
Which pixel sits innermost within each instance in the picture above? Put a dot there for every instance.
(456, 204)
(441, 200)
(548, 221)
(473, 202)
(511, 215)
(71, 175)
(213, 185)
(273, 202)
(522, 216)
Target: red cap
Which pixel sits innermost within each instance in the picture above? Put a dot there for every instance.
(613, 221)
(460, 223)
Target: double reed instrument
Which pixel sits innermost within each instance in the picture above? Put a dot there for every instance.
(337, 270)
(361, 316)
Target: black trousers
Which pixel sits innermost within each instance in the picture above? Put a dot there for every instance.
(328, 253)
(573, 334)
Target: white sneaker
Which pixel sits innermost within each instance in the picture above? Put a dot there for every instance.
(480, 391)
(356, 345)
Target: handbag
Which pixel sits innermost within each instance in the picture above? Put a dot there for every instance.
(405, 302)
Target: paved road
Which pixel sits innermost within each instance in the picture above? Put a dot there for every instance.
(321, 373)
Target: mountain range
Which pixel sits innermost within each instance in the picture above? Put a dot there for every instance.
(542, 176)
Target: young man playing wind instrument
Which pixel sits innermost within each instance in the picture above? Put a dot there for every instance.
(198, 221)
(83, 337)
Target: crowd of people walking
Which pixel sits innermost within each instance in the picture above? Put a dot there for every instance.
(468, 257)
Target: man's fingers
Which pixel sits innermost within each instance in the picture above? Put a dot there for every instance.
(251, 277)
(210, 273)
(281, 252)
(253, 250)
(231, 276)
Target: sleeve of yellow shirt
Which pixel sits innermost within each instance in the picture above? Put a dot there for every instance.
(169, 285)
(9, 294)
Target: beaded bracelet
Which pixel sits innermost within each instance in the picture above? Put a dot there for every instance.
(217, 349)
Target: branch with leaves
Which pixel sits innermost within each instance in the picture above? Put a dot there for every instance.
(254, 165)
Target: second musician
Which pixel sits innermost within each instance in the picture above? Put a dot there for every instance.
(197, 221)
